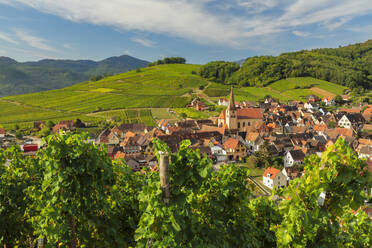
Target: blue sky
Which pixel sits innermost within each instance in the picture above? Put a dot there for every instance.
(199, 30)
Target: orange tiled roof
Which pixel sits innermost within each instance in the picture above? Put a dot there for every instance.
(251, 136)
(2, 131)
(320, 127)
(231, 143)
(272, 171)
(249, 113)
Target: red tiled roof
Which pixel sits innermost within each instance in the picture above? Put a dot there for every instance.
(2, 131)
(249, 113)
(320, 127)
(351, 110)
(119, 155)
(231, 143)
(272, 171)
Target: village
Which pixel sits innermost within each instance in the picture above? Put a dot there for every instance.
(273, 137)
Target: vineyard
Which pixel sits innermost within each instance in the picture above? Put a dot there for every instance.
(71, 194)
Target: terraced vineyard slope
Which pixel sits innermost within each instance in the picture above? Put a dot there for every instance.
(154, 87)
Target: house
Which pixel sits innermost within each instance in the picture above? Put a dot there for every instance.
(274, 178)
(254, 142)
(218, 153)
(291, 173)
(365, 152)
(351, 120)
(235, 149)
(2, 132)
(294, 157)
(367, 114)
(313, 98)
(329, 101)
(223, 102)
(163, 125)
(239, 119)
(201, 106)
(311, 106)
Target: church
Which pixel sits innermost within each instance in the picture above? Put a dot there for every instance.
(239, 119)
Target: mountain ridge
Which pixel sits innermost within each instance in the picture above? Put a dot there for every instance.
(48, 74)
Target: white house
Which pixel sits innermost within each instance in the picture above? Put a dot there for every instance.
(344, 122)
(311, 106)
(329, 101)
(274, 178)
(294, 157)
(219, 153)
(2, 133)
(223, 102)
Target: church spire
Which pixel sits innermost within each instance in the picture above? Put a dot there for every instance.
(231, 105)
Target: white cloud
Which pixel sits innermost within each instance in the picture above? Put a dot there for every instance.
(143, 42)
(34, 41)
(300, 34)
(7, 38)
(201, 21)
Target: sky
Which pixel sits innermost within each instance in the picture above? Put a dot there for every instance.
(198, 30)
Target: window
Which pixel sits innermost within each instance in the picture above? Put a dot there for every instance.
(243, 124)
(238, 124)
(249, 123)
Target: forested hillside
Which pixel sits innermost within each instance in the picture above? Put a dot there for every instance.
(48, 74)
(350, 66)
(71, 194)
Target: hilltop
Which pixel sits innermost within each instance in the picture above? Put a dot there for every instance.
(28, 77)
(146, 95)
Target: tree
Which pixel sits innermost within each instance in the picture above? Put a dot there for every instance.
(338, 100)
(50, 124)
(219, 71)
(183, 115)
(45, 131)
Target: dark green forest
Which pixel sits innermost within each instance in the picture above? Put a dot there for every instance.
(168, 60)
(350, 66)
(28, 77)
(71, 194)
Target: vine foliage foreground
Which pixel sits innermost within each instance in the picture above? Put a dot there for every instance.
(72, 195)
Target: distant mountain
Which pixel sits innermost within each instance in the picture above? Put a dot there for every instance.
(20, 78)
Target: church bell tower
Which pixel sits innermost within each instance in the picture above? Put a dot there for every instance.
(231, 115)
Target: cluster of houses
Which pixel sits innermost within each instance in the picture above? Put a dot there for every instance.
(291, 131)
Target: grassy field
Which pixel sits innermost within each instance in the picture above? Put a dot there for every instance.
(194, 114)
(284, 90)
(165, 86)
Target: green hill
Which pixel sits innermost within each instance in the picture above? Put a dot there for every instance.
(349, 66)
(287, 89)
(153, 87)
(21, 78)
